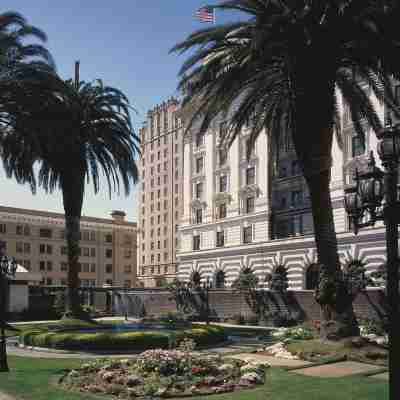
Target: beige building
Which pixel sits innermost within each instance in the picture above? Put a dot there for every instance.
(37, 241)
(160, 200)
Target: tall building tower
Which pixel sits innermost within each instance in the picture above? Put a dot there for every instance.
(160, 200)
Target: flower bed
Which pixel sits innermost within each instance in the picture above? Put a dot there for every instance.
(130, 341)
(165, 373)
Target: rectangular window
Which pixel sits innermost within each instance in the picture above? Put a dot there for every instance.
(199, 165)
(86, 235)
(45, 232)
(86, 251)
(222, 154)
(248, 234)
(297, 198)
(220, 239)
(49, 249)
(27, 248)
(250, 205)
(196, 242)
(199, 190)
(27, 264)
(19, 230)
(92, 267)
(93, 235)
(127, 283)
(63, 250)
(127, 253)
(3, 228)
(42, 248)
(108, 253)
(19, 247)
(93, 252)
(250, 176)
(42, 265)
(128, 269)
(199, 139)
(108, 238)
(85, 267)
(223, 183)
(199, 216)
(49, 266)
(108, 268)
(64, 266)
(222, 211)
(357, 146)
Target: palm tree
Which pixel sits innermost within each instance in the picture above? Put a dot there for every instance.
(286, 67)
(75, 131)
(16, 53)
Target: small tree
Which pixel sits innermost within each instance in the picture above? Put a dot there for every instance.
(278, 280)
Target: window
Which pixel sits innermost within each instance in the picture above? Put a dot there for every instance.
(42, 248)
(223, 130)
(222, 211)
(220, 239)
(152, 246)
(165, 259)
(250, 176)
(86, 235)
(220, 280)
(247, 234)
(199, 216)
(109, 268)
(295, 167)
(199, 190)
(49, 281)
(165, 165)
(199, 165)
(86, 251)
(19, 247)
(127, 283)
(27, 264)
(108, 238)
(49, 249)
(42, 265)
(27, 248)
(127, 253)
(176, 188)
(128, 269)
(152, 258)
(196, 242)
(108, 253)
(85, 267)
(222, 154)
(176, 174)
(223, 183)
(249, 205)
(63, 250)
(158, 155)
(19, 230)
(199, 139)
(64, 266)
(3, 228)
(158, 245)
(92, 267)
(49, 266)
(44, 232)
(297, 198)
(312, 277)
(109, 282)
(93, 252)
(357, 146)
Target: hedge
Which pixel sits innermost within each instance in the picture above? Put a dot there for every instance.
(203, 336)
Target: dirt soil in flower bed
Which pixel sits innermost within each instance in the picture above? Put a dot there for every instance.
(164, 373)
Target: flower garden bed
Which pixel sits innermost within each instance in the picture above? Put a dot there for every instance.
(121, 341)
(165, 373)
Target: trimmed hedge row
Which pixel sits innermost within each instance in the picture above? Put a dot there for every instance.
(203, 336)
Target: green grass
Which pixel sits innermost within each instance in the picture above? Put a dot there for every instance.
(316, 350)
(36, 379)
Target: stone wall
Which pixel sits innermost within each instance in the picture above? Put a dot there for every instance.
(226, 303)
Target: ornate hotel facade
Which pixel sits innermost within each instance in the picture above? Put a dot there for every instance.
(240, 213)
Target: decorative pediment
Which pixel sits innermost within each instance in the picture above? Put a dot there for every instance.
(196, 204)
(249, 190)
(222, 197)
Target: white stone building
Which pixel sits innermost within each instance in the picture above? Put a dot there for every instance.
(239, 214)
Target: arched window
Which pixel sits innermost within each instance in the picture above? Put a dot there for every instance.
(220, 280)
(196, 278)
(312, 277)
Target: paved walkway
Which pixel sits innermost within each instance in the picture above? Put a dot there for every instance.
(339, 369)
(273, 361)
(4, 396)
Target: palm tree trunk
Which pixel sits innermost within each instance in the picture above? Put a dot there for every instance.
(338, 318)
(72, 184)
(72, 225)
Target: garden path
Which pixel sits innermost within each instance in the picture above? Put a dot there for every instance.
(4, 396)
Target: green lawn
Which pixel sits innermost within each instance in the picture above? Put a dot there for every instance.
(35, 379)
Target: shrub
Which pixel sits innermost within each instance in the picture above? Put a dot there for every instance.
(203, 336)
(373, 326)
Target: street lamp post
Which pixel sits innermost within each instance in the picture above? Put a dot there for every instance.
(207, 287)
(8, 268)
(374, 197)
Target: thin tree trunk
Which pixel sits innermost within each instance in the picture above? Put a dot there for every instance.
(72, 225)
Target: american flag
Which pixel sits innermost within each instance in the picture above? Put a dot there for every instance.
(206, 14)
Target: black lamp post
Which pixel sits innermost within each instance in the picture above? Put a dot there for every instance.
(8, 268)
(207, 286)
(374, 197)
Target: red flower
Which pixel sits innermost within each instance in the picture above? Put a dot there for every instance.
(197, 370)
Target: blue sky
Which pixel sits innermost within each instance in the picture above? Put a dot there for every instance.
(123, 42)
